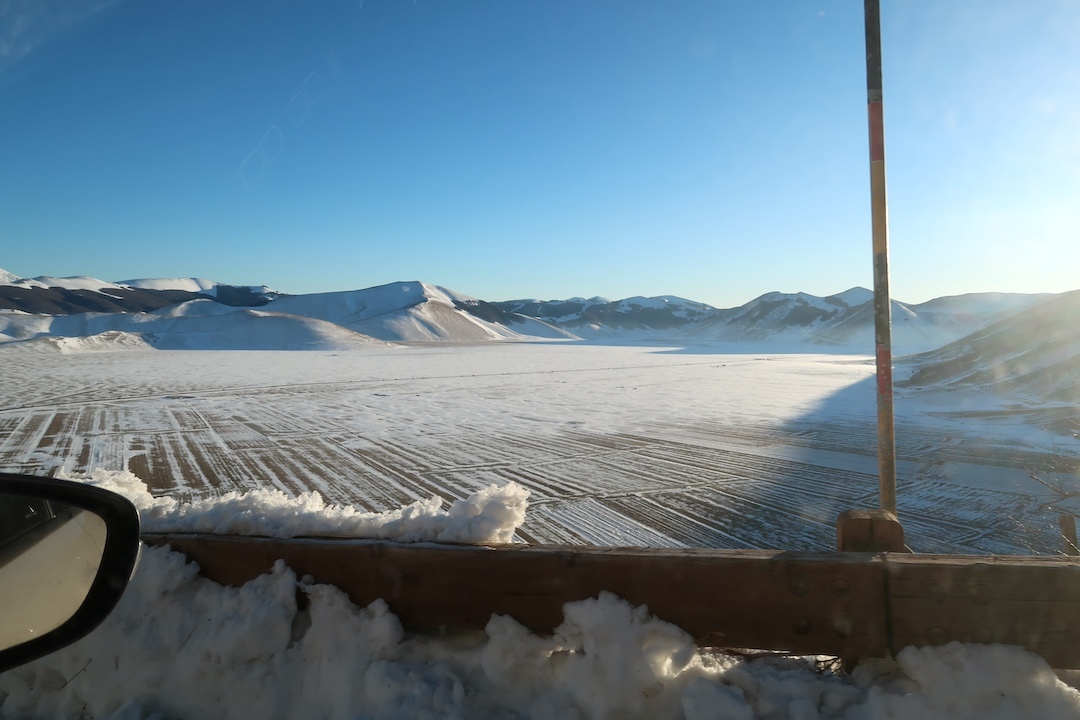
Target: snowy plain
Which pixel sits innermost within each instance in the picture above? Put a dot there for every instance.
(699, 446)
(723, 446)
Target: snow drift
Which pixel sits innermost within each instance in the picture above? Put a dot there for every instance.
(491, 515)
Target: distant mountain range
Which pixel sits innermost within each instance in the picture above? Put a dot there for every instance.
(73, 295)
(845, 320)
(193, 313)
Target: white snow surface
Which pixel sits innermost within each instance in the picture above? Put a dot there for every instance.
(180, 646)
(491, 515)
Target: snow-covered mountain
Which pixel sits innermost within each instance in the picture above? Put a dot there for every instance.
(842, 320)
(598, 317)
(234, 329)
(1035, 352)
(196, 312)
(415, 312)
(237, 295)
(398, 312)
(795, 317)
(79, 294)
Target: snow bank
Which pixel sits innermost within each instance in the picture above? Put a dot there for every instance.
(491, 515)
(181, 646)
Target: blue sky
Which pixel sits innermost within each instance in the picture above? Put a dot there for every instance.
(713, 150)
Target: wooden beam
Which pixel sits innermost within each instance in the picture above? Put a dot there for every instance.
(1067, 523)
(1015, 600)
(829, 603)
(853, 605)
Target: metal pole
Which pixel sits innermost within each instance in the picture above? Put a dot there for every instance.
(880, 230)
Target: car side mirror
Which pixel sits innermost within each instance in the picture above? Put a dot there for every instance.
(67, 551)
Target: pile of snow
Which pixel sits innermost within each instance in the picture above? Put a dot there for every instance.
(181, 646)
(248, 329)
(491, 515)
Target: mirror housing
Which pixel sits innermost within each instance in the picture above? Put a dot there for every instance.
(53, 533)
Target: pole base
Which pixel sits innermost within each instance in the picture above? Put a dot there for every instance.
(869, 531)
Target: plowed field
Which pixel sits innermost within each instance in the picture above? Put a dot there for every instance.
(619, 446)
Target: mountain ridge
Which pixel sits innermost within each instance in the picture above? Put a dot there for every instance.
(414, 311)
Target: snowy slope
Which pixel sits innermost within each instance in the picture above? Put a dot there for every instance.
(928, 325)
(243, 329)
(406, 312)
(239, 295)
(69, 295)
(911, 332)
(600, 317)
(1034, 352)
(773, 316)
(838, 321)
(109, 341)
(854, 296)
(77, 282)
(195, 285)
(194, 308)
(844, 320)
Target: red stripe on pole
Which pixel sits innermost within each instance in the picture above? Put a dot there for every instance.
(877, 132)
(884, 370)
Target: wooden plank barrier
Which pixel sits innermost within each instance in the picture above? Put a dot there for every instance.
(853, 605)
(1016, 600)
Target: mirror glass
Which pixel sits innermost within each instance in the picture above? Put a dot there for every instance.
(49, 556)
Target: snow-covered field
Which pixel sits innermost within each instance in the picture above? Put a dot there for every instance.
(722, 446)
(709, 446)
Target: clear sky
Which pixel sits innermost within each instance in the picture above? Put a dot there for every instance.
(510, 148)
